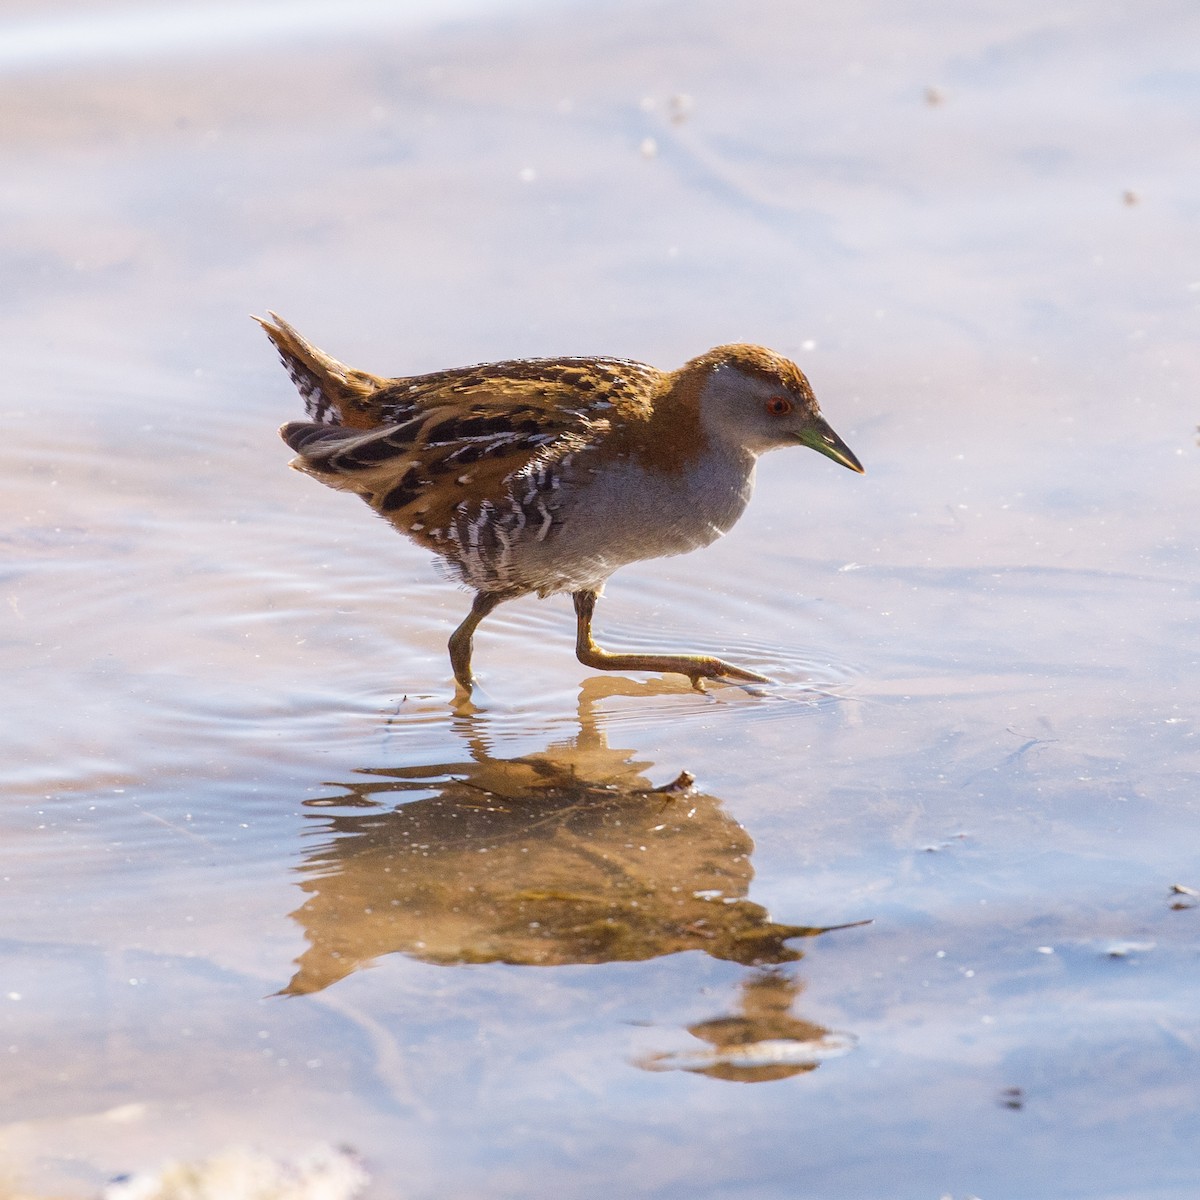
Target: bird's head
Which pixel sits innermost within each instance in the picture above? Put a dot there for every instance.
(760, 400)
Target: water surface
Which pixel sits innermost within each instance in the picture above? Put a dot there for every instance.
(264, 883)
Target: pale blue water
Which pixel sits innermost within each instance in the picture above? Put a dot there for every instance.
(229, 739)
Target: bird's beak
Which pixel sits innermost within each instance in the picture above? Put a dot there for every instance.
(821, 438)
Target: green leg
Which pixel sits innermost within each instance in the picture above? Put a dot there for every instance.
(695, 666)
(461, 638)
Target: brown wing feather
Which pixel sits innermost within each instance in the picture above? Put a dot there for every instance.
(462, 436)
(424, 450)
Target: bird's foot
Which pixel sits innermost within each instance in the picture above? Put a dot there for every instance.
(720, 671)
(697, 667)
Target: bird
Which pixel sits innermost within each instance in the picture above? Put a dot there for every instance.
(546, 475)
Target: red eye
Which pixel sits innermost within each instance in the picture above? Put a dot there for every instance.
(779, 406)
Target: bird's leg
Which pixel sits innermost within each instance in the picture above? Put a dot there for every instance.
(695, 666)
(460, 639)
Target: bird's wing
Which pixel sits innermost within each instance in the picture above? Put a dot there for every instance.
(464, 436)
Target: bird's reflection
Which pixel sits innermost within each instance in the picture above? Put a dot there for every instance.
(567, 855)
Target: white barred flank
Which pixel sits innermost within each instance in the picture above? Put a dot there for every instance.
(487, 535)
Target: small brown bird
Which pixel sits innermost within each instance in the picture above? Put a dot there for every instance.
(546, 475)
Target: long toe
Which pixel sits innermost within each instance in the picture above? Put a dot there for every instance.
(716, 668)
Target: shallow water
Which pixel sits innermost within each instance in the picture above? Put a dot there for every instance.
(265, 884)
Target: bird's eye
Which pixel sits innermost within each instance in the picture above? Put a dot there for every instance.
(779, 406)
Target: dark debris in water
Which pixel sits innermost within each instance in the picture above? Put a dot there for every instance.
(1128, 949)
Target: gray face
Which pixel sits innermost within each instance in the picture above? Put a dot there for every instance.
(759, 413)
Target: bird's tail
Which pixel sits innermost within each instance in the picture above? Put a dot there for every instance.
(334, 394)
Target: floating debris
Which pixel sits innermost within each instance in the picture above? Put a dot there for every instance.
(324, 1173)
(680, 107)
(1128, 949)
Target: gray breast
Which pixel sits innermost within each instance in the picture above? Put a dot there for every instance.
(605, 518)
